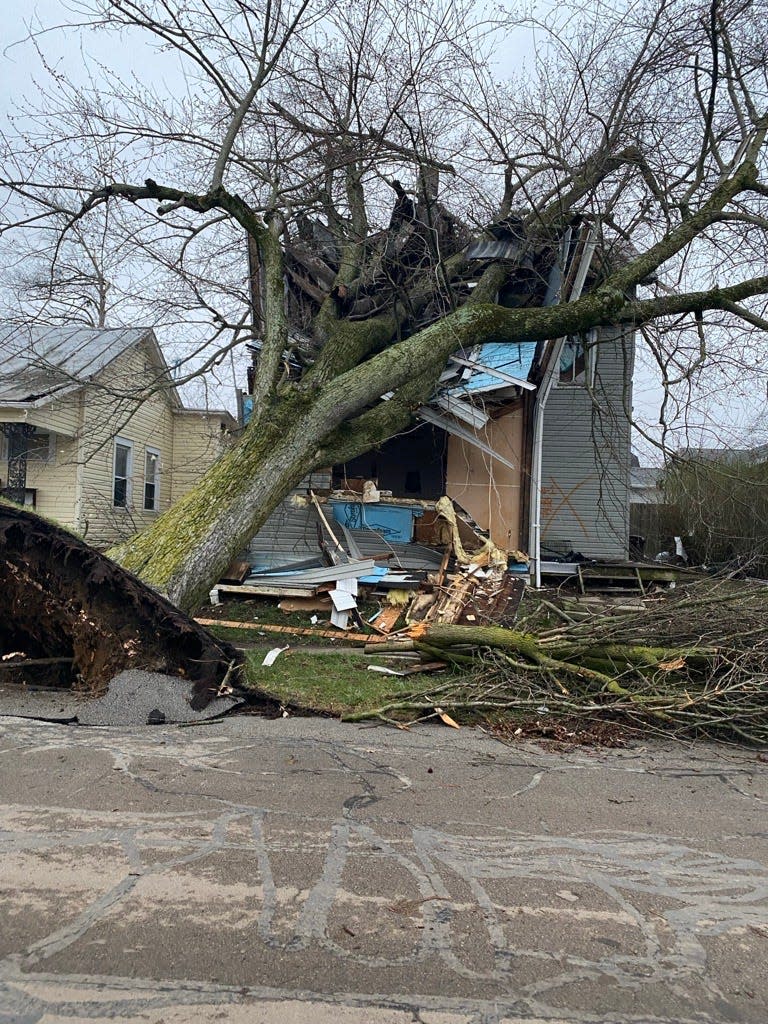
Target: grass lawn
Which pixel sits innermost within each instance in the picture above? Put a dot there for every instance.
(313, 674)
(333, 683)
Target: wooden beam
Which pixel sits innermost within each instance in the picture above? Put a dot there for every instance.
(334, 634)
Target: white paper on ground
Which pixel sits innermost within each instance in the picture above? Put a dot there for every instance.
(271, 656)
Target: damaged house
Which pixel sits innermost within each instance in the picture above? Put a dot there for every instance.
(94, 434)
(530, 441)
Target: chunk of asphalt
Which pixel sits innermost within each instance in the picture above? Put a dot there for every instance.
(136, 697)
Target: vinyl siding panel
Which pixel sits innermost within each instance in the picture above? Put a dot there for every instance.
(61, 416)
(586, 455)
(106, 415)
(198, 440)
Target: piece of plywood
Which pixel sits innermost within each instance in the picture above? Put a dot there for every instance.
(385, 622)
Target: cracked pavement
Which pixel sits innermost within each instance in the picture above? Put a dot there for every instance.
(302, 870)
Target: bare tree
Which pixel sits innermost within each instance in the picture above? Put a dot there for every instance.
(357, 147)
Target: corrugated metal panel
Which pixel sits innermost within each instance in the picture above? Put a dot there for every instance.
(495, 249)
(585, 462)
(404, 556)
(290, 533)
(40, 361)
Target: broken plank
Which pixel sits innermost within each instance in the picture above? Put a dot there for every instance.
(321, 603)
(339, 555)
(269, 589)
(237, 572)
(427, 666)
(362, 638)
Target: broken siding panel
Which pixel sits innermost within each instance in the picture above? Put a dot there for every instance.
(585, 459)
(485, 487)
(149, 423)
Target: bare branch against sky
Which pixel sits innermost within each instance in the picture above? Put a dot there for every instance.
(627, 113)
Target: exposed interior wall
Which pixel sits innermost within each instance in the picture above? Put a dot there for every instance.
(489, 490)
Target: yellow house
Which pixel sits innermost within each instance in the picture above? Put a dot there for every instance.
(94, 433)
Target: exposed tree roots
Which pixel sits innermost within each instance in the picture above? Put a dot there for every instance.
(63, 600)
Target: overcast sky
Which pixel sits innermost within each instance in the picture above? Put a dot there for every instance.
(739, 410)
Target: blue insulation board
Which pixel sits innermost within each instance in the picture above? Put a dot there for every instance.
(515, 359)
(393, 522)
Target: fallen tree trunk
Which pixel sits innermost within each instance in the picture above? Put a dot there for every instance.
(64, 600)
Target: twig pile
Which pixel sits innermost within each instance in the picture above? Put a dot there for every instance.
(692, 662)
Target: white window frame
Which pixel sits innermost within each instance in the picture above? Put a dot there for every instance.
(586, 376)
(148, 450)
(124, 443)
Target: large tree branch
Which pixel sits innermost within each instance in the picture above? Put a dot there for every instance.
(378, 424)
(427, 351)
(641, 267)
(725, 299)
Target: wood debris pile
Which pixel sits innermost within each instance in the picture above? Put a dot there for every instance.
(693, 661)
(463, 580)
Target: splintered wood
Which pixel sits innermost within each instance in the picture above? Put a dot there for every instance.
(474, 597)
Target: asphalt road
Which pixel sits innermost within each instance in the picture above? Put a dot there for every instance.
(303, 871)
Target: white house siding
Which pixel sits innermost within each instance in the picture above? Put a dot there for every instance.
(586, 456)
(149, 423)
(54, 478)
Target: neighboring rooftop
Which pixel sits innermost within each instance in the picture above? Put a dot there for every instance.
(37, 363)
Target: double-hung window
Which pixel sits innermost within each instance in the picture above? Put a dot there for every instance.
(121, 477)
(152, 480)
(577, 360)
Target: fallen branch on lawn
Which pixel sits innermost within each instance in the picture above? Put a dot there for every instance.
(696, 662)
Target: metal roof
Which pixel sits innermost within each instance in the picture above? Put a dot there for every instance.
(37, 363)
(495, 249)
